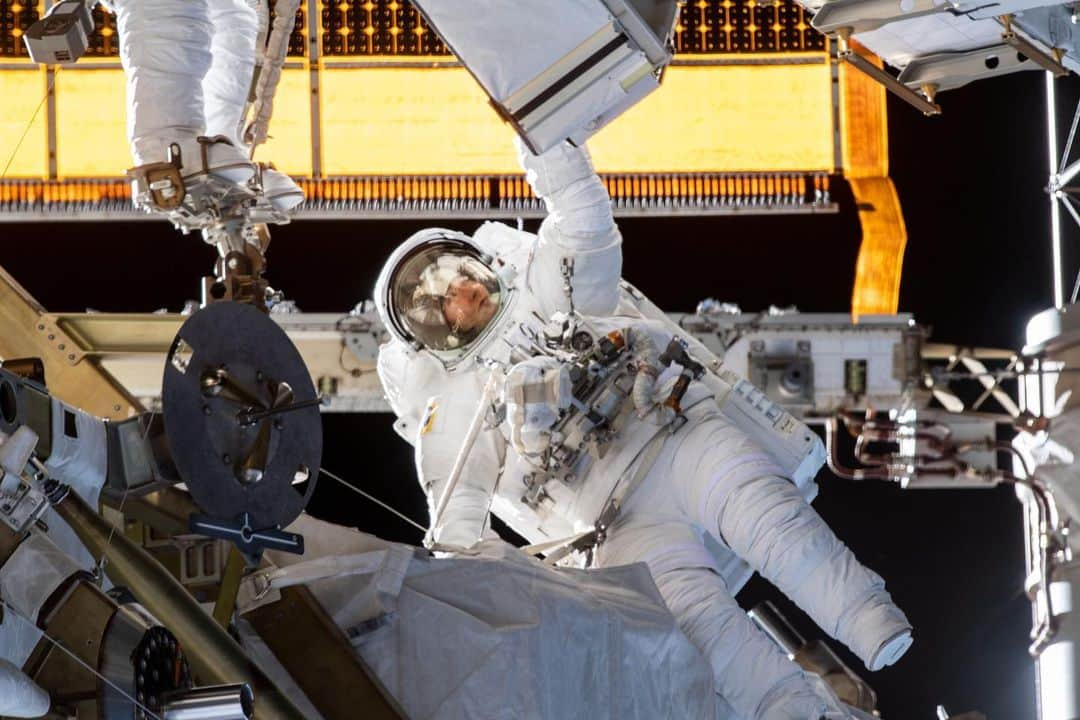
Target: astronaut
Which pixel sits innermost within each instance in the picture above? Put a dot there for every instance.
(189, 67)
(694, 493)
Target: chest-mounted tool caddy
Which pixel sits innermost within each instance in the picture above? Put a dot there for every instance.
(585, 387)
(606, 379)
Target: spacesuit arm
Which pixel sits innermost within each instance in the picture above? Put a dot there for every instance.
(400, 373)
(440, 438)
(579, 229)
(434, 409)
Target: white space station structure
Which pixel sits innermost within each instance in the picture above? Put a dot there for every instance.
(940, 45)
(877, 382)
(163, 566)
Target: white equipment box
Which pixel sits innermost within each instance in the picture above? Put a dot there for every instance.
(558, 69)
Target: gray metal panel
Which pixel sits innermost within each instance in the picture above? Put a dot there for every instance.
(340, 353)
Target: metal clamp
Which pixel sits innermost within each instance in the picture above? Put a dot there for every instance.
(902, 91)
(160, 186)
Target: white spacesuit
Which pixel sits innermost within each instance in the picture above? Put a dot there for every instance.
(189, 67)
(694, 491)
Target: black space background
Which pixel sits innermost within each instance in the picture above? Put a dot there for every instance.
(977, 266)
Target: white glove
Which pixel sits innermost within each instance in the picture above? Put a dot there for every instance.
(557, 169)
(535, 392)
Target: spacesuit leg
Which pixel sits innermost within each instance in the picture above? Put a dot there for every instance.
(727, 485)
(165, 51)
(165, 48)
(751, 673)
(226, 85)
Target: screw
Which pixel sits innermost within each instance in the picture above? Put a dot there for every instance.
(258, 376)
(206, 410)
(40, 327)
(72, 357)
(279, 425)
(116, 408)
(226, 458)
(52, 337)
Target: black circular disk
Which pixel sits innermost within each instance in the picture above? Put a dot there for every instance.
(228, 362)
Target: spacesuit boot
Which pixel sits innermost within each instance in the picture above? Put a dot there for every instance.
(280, 189)
(227, 85)
(166, 51)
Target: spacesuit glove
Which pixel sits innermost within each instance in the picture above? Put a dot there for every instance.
(438, 549)
(535, 393)
(556, 169)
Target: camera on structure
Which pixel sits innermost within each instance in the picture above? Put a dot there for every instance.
(63, 35)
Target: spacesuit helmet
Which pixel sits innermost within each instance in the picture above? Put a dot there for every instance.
(439, 292)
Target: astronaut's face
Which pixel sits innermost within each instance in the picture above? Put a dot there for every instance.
(467, 304)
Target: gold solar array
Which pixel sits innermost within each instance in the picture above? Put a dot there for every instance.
(456, 195)
(748, 112)
(15, 17)
(395, 28)
(742, 26)
(377, 27)
(105, 41)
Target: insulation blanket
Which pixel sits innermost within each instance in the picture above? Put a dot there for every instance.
(496, 634)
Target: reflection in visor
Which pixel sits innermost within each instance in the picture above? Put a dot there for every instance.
(445, 297)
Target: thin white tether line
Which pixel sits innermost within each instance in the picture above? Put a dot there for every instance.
(15, 151)
(373, 499)
(102, 561)
(79, 660)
